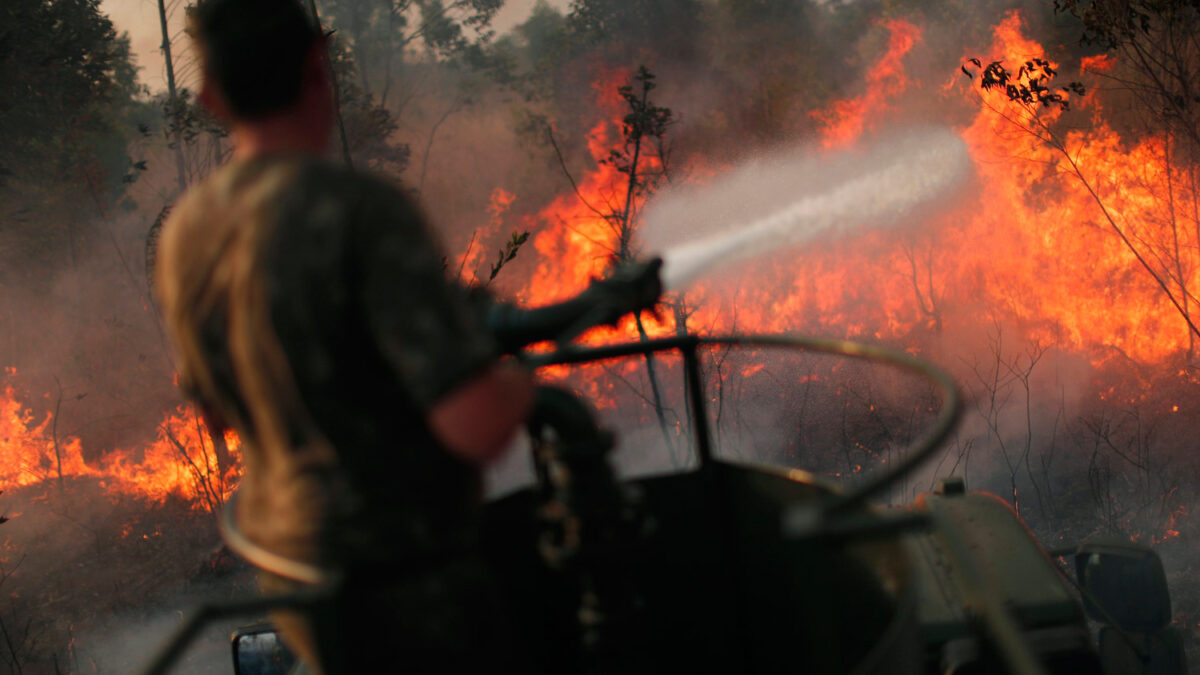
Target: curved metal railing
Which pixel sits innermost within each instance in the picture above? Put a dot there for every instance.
(323, 583)
(920, 450)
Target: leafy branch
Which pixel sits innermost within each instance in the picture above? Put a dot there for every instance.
(509, 252)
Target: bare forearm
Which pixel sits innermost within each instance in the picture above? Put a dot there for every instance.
(477, 420)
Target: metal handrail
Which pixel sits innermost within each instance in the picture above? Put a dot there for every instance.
(920, 450)
(834, 516)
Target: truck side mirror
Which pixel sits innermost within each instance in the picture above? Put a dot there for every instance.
(1123, 583)
(257, 650)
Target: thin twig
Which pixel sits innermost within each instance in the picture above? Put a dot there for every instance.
(567, 172)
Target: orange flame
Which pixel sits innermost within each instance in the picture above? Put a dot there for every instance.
(181, 462)
(845, 120)
(1037, 251)
(477, 252)
(1052, 259)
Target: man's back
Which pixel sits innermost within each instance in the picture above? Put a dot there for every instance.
(310, 312)
(322, 327)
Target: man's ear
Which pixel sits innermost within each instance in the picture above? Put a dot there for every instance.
(316, 63)
(212, 99)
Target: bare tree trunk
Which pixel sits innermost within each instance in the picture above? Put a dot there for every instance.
(1023, 376)
(8, 315)
(626, 231)
(54, 437)
(172, 96)
(221, 450)
(624, 255)
(990, 404)
(337, 94)
(679, 310)
(12, 649)
(927, 298)
(1182, 280)
(652, 374)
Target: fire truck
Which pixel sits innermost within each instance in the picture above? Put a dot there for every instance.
(729, 565)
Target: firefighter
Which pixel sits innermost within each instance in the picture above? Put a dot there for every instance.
(310, 313)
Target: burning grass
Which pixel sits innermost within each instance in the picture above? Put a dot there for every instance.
(181, 463)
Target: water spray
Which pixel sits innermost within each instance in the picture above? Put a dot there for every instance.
(791, 199)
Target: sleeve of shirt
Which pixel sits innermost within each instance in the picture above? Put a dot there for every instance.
(421, 323)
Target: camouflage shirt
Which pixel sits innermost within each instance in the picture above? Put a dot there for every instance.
(311, 313)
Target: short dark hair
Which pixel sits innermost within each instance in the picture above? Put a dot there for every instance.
(254, 51)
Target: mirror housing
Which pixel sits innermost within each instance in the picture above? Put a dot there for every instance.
(1123, 583)
(257, 650)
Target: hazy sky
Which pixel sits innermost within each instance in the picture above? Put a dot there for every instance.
(139, 18)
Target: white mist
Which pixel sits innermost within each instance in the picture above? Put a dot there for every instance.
(793, 197)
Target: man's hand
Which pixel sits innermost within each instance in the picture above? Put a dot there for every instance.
(631, 288)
